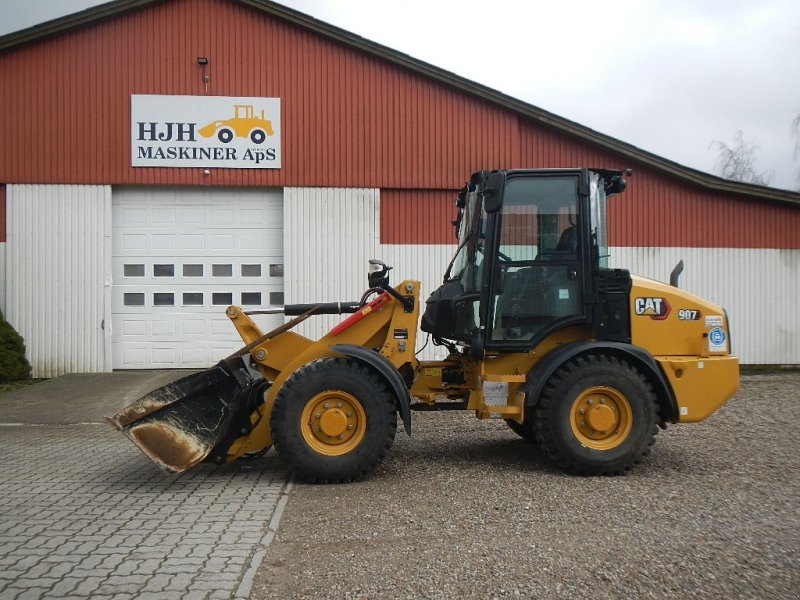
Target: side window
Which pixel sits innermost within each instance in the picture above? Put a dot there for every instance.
(537, 282)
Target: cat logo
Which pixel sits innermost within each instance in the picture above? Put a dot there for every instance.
(657, 309)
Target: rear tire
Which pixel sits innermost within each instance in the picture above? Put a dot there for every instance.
(333, 421)
(597, 415)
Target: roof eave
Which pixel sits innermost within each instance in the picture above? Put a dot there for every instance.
(66, 23)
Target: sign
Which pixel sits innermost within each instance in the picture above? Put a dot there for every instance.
(657, 309)
(717, 340)
(205, 131)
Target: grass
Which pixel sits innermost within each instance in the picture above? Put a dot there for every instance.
(17, 385)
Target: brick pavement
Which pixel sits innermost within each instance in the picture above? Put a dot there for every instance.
(83, 514)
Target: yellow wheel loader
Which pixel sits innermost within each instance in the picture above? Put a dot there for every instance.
(585, 360)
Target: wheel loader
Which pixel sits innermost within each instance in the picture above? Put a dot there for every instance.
(585, 360)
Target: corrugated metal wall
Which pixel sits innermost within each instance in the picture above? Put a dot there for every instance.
(3, 278)
(2, 248)
(644, 215)
(759, 289)
(58, 265)
(425, 263)
(329, 236)
(348, 119)
(2, 213)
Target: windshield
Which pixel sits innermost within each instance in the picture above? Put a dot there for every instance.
(471, 236)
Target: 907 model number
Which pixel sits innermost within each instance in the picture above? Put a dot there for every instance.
(688, 314)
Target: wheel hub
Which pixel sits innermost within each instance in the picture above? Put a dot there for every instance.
(333, 422)
(601, 418)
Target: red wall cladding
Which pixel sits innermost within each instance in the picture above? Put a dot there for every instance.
(653, 212)
(349, 119)
(417, 216)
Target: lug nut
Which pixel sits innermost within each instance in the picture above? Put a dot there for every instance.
(326, 405)
(338, 405)
(590, 401)
(349, 414)
(602, 400)
(349, 427)
(317, 415)
(340, 436)
(581, 412)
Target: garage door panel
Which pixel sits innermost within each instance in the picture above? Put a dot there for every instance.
(187, 271)
(179, 260)
(202, 300)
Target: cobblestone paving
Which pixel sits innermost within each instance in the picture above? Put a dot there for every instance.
(83, 514)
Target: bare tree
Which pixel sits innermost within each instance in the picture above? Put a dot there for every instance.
(737, 161)
(796, 134)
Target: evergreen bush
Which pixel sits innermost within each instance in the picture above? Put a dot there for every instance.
(13, 364)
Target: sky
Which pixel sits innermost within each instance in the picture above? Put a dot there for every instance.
(673, 77)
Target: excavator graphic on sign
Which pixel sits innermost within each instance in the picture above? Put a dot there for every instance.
(244, 124)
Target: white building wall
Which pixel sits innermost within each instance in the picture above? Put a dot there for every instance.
(426, 263)
(758, 287)
(58, 275)
(329, 236)
(3, 278)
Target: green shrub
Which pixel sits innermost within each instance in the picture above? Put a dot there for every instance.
(13, 364)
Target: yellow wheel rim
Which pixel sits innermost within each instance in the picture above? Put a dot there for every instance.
(601, 418)
(333, 423)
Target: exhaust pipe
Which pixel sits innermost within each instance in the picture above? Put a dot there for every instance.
(676, 273)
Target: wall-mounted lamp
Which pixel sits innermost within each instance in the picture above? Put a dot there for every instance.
(203, 62)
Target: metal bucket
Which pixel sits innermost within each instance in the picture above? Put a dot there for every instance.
(196, 418)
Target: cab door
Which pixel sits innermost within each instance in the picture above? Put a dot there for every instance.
(536, 280)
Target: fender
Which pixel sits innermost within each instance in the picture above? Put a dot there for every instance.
(382, 365)
(643, 360)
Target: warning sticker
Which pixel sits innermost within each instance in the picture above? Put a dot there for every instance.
(714, 321)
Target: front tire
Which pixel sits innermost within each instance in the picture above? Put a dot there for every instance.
(597, 415)
(333, 421)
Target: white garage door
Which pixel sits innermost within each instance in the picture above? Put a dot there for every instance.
(180, 257)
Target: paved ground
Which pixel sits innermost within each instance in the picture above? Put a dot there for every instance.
(84, 514)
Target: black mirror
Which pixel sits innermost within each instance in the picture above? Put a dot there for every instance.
(493, 192)
(457, 222)
(615, 185)
(378, 273)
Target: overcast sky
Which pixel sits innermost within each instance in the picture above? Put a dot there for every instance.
(668, 76)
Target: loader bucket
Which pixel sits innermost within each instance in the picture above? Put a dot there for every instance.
(195, 418)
